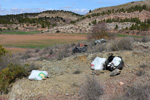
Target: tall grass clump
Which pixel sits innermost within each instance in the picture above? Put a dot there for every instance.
(138, 92)
(123, 44)
(91, 90)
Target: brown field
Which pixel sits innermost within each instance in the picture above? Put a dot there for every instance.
(21, 43)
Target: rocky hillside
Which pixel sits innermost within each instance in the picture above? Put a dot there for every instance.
(130, 16)
(34, 21)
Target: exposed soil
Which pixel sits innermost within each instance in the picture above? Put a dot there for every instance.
(10, 39)
(39, 38)
(16, 50)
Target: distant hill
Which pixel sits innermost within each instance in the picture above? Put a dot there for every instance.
(32, 21)
(129, 16)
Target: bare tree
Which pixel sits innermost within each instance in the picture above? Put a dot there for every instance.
(100, 28)
(99, 31)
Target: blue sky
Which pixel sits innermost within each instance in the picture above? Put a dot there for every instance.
(77, 6)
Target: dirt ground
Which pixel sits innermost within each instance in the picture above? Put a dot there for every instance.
(64, 84)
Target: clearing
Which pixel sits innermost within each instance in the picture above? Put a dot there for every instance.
(21, 43)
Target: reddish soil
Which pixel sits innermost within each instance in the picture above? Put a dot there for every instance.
(15, 39)
(16, 50)
(9, 39)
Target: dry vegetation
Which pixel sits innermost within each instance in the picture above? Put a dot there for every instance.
(38, 40)
(74, 67)
(91, 90)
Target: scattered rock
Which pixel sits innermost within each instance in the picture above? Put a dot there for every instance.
(67, 94)
(115, 72)
(121, 83)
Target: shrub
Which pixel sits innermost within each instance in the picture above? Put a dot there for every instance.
(137, 92)
(123, 44)
(145, 39)
(77, 71)
(62, 53)
(9, 74)
(10, 69)
(27, 54)
(140, 73)
(116, 27)
(37, 50)
(143, 66)
(97, 48)
(6, 60)
(99, 31)
(91, 90)
(3, 51)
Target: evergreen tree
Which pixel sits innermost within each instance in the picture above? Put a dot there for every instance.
(116, 27)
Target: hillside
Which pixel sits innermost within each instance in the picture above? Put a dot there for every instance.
(130, 16)
(68, 76)
(35, 21)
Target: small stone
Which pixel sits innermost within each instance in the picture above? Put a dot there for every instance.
(67, 94)
(121, 83)
(115, 72)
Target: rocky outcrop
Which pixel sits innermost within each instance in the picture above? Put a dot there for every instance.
(69, 29)
(85, 28)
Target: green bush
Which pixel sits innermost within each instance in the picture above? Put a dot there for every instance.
(3, 51)
(10, 69)
(9, 74)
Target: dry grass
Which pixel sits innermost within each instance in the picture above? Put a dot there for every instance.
(137, 92)
(145, 39)
(77, 71)
(123, 44)
(91, 90)
(139, 89)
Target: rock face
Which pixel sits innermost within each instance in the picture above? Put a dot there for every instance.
(85, 28)
(69, 29)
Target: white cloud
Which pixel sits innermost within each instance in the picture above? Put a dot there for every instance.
(80, 11)
(18, 11)
(68, 7)
(4, 11)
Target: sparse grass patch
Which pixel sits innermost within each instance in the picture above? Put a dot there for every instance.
(40, 44)
(37, 50)
(91, 90)
(63, 53)
(140, 73)
(125, 35)
(123, 44)
(21, 32)
(137, 92)
(145, 39)
(77, 71)
(143, 66)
